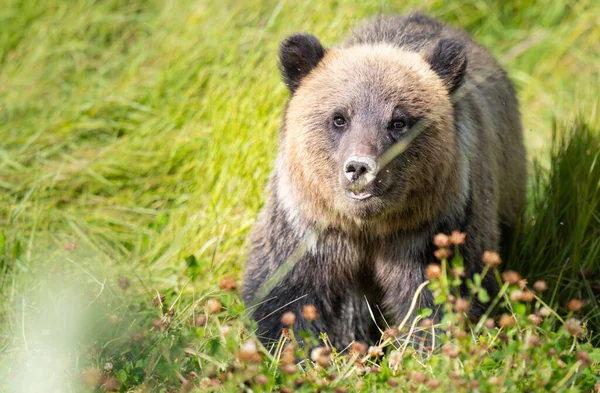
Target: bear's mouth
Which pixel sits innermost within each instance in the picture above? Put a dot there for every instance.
(361, 191)
(358, 195)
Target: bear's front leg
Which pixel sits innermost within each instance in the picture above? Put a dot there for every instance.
(400, 275)
(303, 286)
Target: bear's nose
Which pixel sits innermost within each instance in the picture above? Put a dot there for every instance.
(360, 166)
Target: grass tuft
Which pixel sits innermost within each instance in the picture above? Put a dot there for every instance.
(560, 237)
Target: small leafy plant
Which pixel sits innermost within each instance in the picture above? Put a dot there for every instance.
(519, 345)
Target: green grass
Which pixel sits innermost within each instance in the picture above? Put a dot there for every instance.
(143, 133)
(560, 237)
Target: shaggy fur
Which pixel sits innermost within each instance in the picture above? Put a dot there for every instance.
(464, 168)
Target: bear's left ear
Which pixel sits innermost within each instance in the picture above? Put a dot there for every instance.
(449, 61)
(298, 55)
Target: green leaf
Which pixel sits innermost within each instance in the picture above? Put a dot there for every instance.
(122, 375)
(457, 260)
(519, 308)
(483, 296)
(439, 299)
(595, 355)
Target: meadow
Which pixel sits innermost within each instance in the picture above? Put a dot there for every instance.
(136, 141)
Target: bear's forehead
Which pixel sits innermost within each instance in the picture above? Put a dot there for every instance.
(372, 75)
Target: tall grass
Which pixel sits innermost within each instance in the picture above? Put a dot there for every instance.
(560, 238)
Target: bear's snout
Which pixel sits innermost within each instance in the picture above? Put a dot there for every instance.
(360, 168)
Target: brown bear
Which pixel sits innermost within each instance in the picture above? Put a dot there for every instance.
(408, 128)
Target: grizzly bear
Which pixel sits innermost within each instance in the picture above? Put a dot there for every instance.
(406, 129)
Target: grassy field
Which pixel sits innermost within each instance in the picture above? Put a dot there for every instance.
(137, 138)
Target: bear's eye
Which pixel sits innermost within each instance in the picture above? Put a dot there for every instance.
(339, 121)
(398, 124)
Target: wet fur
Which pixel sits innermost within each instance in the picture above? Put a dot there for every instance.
(473, 180)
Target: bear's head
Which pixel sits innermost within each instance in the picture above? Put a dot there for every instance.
(369, 137)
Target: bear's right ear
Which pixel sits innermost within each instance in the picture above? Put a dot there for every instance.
(298, 55)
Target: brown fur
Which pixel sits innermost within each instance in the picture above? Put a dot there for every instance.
(465, 170)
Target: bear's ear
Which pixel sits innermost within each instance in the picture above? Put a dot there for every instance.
(298, 55)
(449, 61)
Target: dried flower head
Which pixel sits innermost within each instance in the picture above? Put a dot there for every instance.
(261, 380)
(427, 323)
(375, 351)
(390, 332)
(507, 321)
(527, 297)
(213, 306)
(433, 271)
(535, 319)
(288, 356)
(309, 312)
(92, 377)
(516, 295)
(584, 358)
(459, 334)
(540, 286)
(545, 312)
(511, 277)
(457, 238)
(534, 341)
(298, 382)
(575, 305)
(289, 369)
(288, 318)
(450, 350)
(434, 384)
(374, 369)
(418, 377)
(123, 283)
(491, 259)
(227, 284)
(503, 337)
(495, 381)
(201, 320)
(489, 323)
(322, 356)
(523, 284)
(573, 326)
(461, 305)
(358, 348)
(442, 253)
(395, 359)
(112, 384)
(70, 246)
(249, 352)
(225, 330)
(441, 240)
